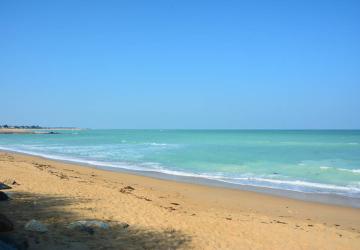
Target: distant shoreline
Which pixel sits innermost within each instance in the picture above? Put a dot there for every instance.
(34, 131)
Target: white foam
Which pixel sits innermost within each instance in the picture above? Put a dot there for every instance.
(304, 184)
(324, 167)
(292, 185)
(159, 144)
(356, 171)
(77, 160)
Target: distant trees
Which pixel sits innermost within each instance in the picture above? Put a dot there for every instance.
(21, 127)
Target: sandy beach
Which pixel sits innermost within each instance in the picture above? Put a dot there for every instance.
(33, 131)
(15, 131)
(148, 213)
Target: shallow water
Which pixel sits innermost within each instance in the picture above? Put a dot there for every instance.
(307, 161)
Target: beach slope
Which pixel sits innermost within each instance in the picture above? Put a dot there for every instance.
(147, 213)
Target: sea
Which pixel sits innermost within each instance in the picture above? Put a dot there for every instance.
(305, 161)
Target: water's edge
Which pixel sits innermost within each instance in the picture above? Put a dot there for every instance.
(331, 199)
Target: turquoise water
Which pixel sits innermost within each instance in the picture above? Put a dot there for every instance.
(306, 161)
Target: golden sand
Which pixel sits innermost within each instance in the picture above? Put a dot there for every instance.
(162, 214)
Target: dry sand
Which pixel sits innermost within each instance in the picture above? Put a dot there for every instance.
(162, 214)
(15, 131)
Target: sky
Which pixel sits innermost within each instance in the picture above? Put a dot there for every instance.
(181, 64)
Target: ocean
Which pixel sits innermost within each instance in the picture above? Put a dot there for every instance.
(309, 161)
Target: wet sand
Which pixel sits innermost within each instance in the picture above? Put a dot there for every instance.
(162, 214)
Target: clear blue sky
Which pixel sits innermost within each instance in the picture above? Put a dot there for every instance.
(180, 64)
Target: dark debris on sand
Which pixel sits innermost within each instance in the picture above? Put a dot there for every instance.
(4, 186)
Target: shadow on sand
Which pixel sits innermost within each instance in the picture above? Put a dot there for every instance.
(51, 211)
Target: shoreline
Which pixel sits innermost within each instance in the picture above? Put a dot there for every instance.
(198, 216)
(10, 131)
(323, 198)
